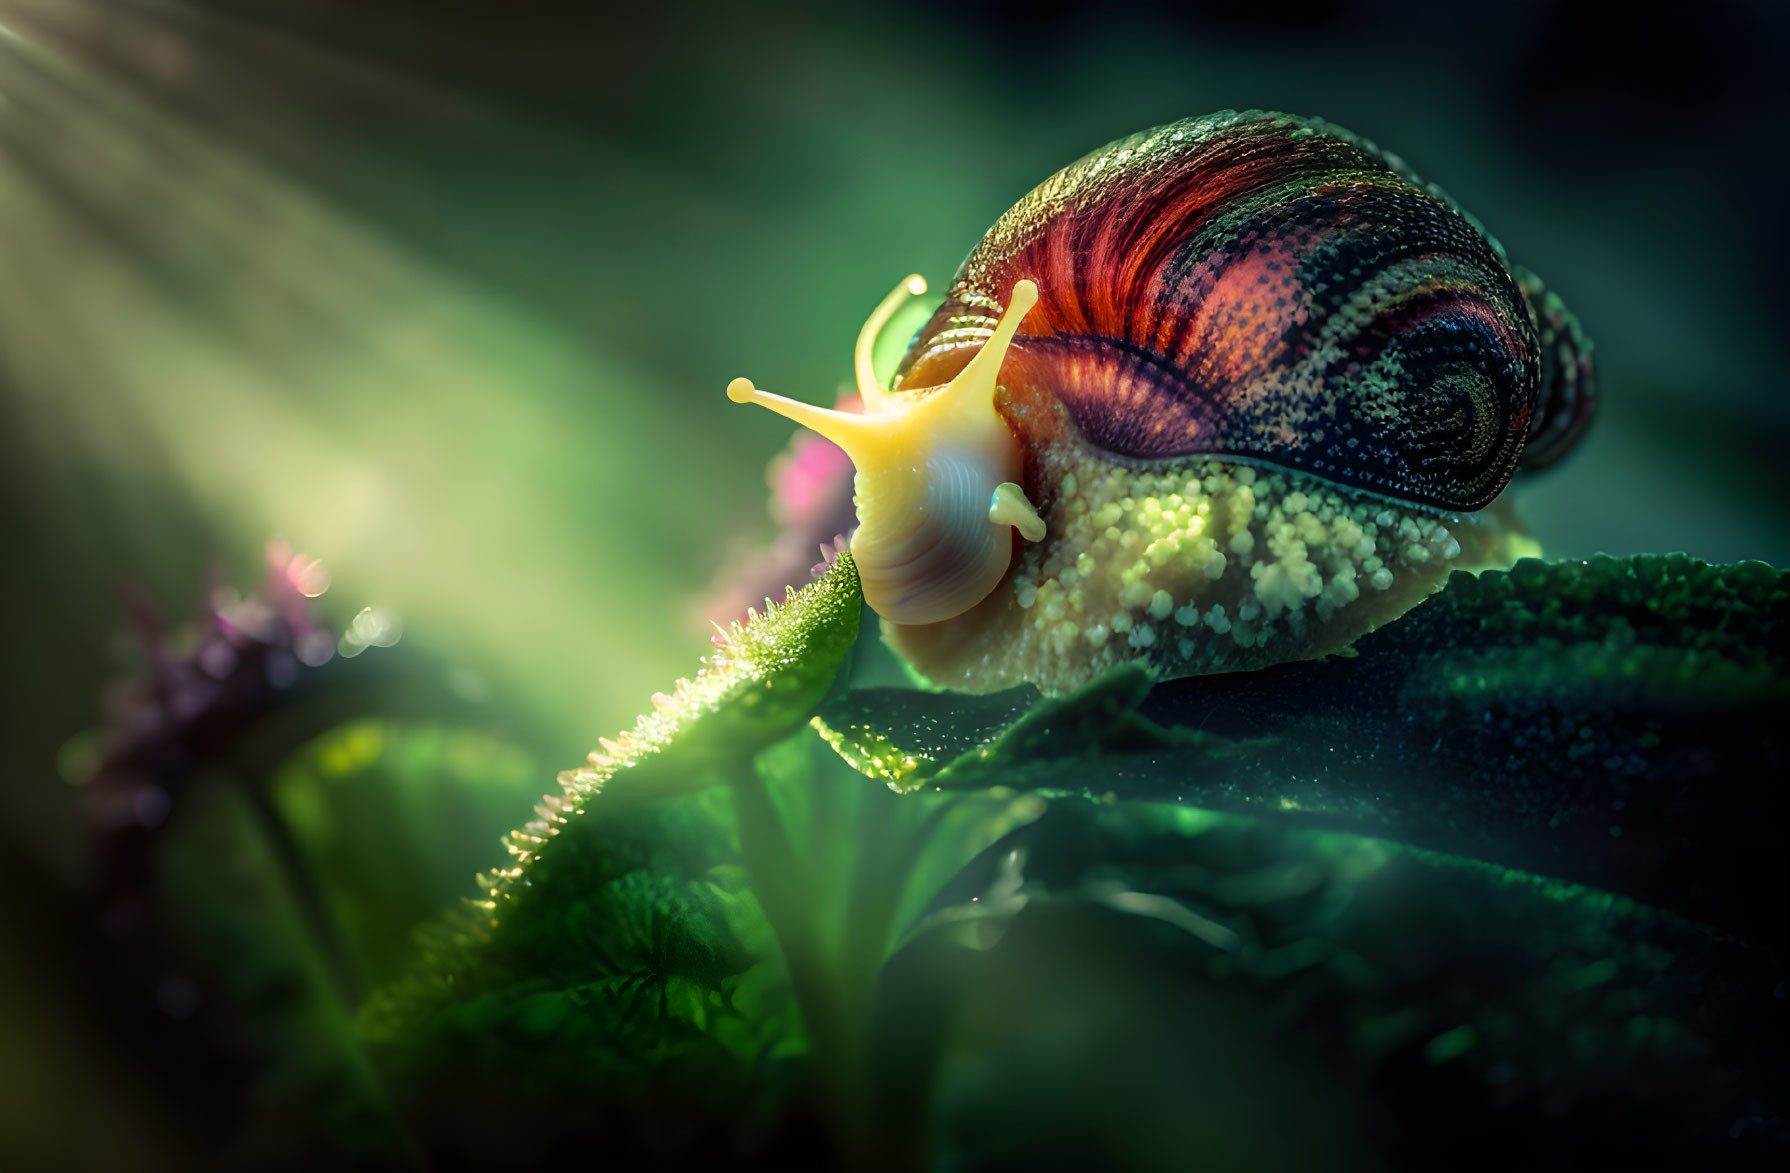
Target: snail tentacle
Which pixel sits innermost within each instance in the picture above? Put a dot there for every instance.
(1009, 506)
(935, 529)
(869, 390)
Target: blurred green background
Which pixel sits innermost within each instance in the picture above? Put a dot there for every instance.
(446, 295)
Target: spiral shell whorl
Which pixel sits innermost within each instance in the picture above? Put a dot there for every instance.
(1262, 286)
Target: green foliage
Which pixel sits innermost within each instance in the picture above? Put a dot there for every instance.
(626, 924)
(1389, 994)
(910, 738)
(253, 949)
(761, 682)
(680, 949)
(1610, 722)
(636, 974)
(343, 794)
(1514, 852)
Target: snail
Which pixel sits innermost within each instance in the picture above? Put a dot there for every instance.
(1225, 393)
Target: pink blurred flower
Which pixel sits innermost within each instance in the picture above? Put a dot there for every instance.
(811, 502)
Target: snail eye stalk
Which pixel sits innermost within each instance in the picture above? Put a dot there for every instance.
(871, 391)
(891, 427)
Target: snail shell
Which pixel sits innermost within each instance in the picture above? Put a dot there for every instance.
(1269, 386)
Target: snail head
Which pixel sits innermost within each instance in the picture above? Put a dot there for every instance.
(937, 489)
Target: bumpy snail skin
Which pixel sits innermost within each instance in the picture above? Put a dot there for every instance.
(1200, 565)
(936, 468)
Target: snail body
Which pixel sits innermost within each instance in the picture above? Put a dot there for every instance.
(1244, 385)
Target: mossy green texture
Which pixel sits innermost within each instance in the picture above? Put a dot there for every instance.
(760, 683)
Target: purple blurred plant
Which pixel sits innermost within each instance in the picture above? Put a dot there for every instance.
(218, 947)
(195, 693)
(197, 706)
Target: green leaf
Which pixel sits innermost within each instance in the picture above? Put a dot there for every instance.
(623, 944)
(910, 738)
(762, 682)
(1616, 723)
(1111, 978)
(632, 991)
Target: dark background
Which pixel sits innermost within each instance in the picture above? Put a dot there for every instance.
(446, 294)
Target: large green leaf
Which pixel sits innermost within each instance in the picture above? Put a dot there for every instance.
(1115, 983)
(1617, 723)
